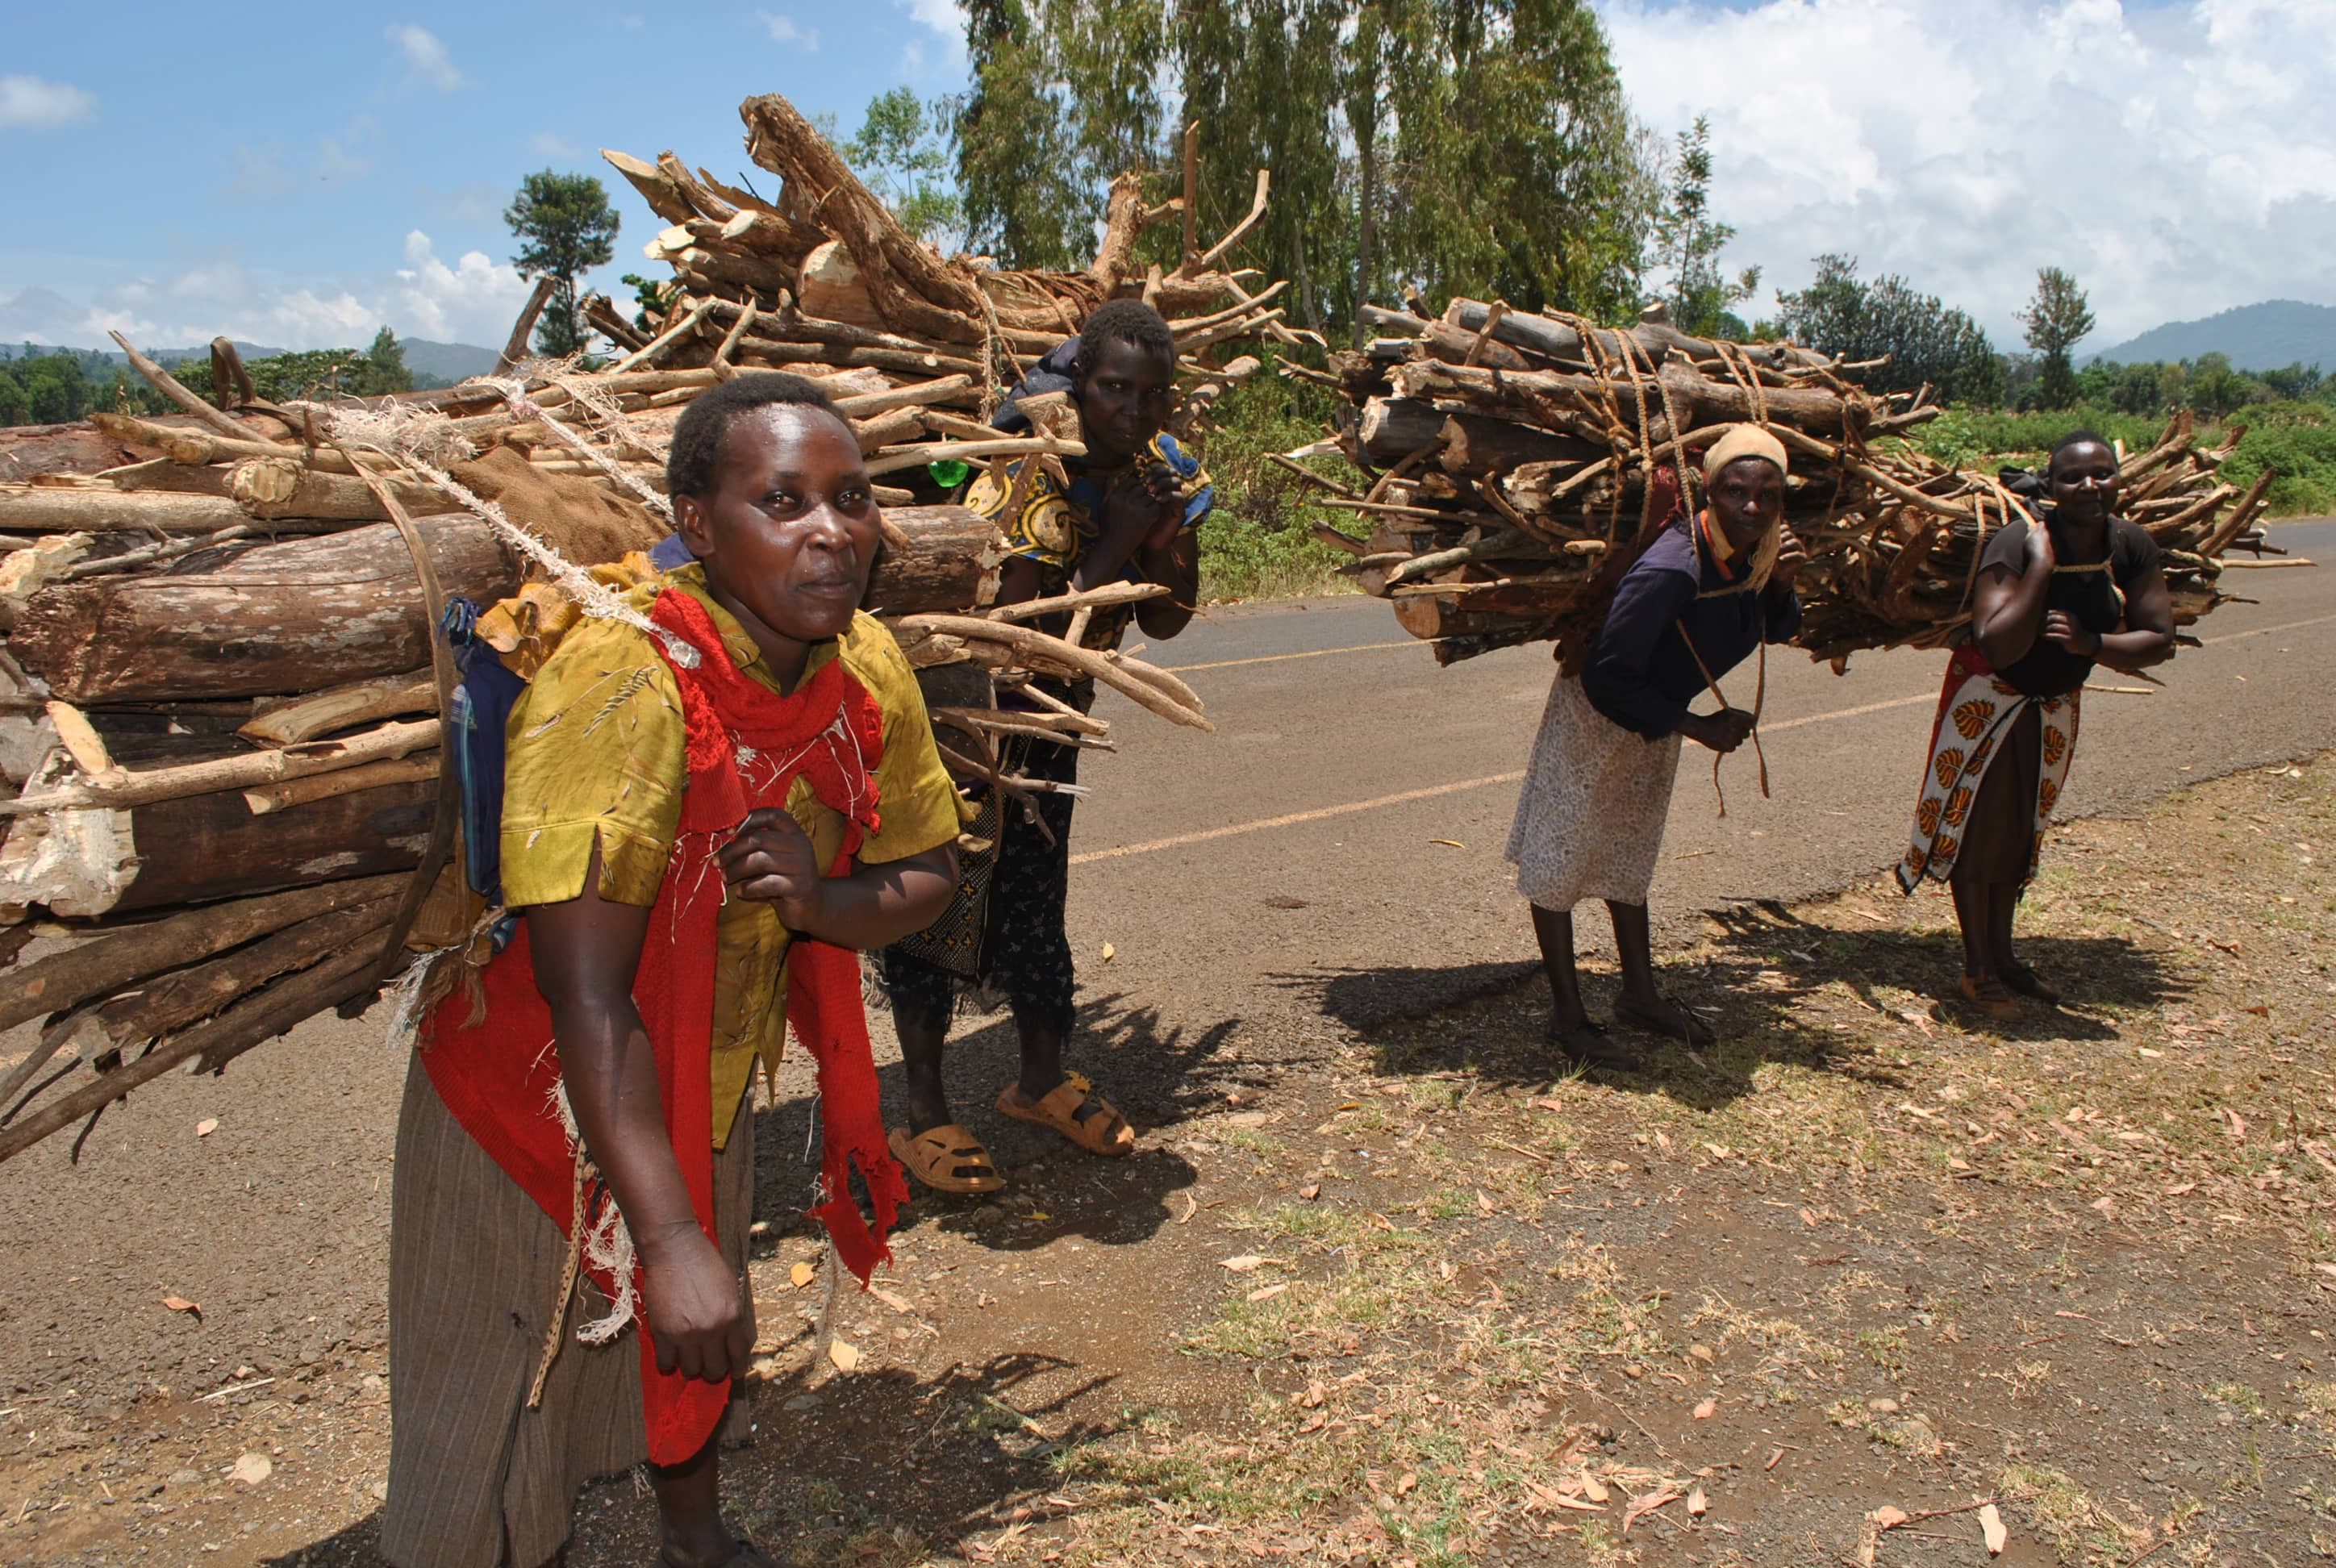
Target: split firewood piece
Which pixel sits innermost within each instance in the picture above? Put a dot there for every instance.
(147, 786)
(292, 720)
(1025, 640)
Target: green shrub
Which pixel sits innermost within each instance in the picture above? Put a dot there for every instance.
(2297, 440)
(1257, 543)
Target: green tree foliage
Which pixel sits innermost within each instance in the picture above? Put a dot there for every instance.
(64, 384)
(1457, 146)
(1688, 241)
(566, 228)
(314, 374)
(1928, 342)
(2055, 322)
(1030, 185)
(903, 153)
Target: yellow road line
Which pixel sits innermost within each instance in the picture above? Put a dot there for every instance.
(1296, 817)
(2266, 631)
(1313, 653)
(1404, 797)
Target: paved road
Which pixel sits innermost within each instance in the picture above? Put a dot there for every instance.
(1343, 754)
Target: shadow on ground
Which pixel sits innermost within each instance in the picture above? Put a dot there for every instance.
(902, 1469)
(1746, 979)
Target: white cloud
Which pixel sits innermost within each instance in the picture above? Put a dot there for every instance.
(472, 301)
(2179, 160)
(782, 30)
(426, 59)
(550, 145)
(29, 100)
(946, 20)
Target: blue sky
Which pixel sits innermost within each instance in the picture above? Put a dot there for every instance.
(226, 165)
(298, 181)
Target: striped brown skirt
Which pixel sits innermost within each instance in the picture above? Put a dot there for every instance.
(476, 1479)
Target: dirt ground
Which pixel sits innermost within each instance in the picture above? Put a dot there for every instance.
(1395, 1290)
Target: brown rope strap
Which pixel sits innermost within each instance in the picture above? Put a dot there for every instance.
(1760, 700)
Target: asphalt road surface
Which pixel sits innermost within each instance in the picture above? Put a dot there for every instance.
(1332, 854)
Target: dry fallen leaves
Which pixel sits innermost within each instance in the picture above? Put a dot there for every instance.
(1640, 1507)
(1706, 1409)
(802, 1274)
(1268, 1292)
(207, 1126)
(844, 1354)
(181, 1304)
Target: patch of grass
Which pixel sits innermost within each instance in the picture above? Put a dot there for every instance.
(2080, 1532)
(2240, 1396)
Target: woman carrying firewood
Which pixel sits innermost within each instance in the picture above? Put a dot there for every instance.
(712, 790)
(2051, 600)
(1708, 591)
(1131, 512)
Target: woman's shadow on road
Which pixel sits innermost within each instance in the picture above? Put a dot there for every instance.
(1749, 980)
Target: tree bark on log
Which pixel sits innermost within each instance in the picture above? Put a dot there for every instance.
(95, 509)
(279, 617)
(211, 846)
(952, 567)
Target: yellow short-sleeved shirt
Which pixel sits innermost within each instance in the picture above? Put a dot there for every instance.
(596, 753)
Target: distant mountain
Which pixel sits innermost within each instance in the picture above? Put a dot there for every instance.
(2272, 335)
(450, 362)
(113, 357)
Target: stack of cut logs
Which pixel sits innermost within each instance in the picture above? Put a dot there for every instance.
(1507, 456)
(219, 698)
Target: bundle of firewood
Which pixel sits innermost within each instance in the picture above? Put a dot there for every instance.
(221, 700)
(1507, 458)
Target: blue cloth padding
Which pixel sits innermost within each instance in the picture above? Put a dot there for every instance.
(671, 554)
(483, 700)
(1051, 374)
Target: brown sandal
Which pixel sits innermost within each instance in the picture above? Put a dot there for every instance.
(1102, 1132)
(947, 1159)
(1992, 998)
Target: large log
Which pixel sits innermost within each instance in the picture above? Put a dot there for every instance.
(113, 859)
(1700, 401)
(951, 567)
(95, 509)
(279, 617)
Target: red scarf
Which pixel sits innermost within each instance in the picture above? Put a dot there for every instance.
(746, 746)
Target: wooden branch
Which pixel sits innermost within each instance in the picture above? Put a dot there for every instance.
(1218, 252)
(251, 1021)
(150, 785)
(162, 380)
(1023, 639)
(1110, 593)
(293, 720)
(123, 957)
(1191, 253)
(515, 347)
(918, 455)
(347, 781)
(170, 1003)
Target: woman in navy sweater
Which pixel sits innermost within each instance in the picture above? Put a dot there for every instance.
(1702, 597)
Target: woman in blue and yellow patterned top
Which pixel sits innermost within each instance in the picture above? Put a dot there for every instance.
(1128, 511)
